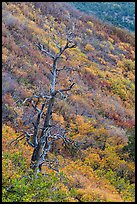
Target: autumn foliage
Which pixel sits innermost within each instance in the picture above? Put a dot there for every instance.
(97, 114)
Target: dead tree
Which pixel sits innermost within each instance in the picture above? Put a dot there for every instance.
(41, 138)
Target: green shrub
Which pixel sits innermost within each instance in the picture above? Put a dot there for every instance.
(130, 147)
(36, 188)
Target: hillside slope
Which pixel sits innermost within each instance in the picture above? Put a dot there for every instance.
(98, 113)
(121, 14)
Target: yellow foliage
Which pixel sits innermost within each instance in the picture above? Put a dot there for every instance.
(93, 160)
(110, 39)
(92, 188)
(46, 26)
(113, 56)
(4, 54)
(90, 23)
(36, 30)
(58, 118)
(89, 48)
(89, 31)
(100, 33)
(9, 135)
(111, 47)
(90, 195)
(102, 46)
(102, 61)
(83, 127)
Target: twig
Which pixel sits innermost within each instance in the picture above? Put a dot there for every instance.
(17, 139)
(67, 89)
(41, 47)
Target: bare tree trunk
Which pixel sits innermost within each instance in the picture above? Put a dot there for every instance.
(42, 141)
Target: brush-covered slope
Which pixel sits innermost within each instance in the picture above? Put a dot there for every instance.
(121, 14)
(98, 113)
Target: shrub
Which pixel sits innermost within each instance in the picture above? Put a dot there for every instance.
(89, 48)
(10, 20)
(89, 31)
(130, 147)
(90, 23)
(29, 188)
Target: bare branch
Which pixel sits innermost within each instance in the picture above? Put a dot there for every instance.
(46, 149)
(20, 137)
(67, 89)
(41, 47)
(46, 96)
(30, 143)
(29, 99)
(52, 164)
(62, 95)
(36, 125)
(57, 45)
(27, 139)
(66, 68)
(35, 106)
(25, 100)
(70, 44)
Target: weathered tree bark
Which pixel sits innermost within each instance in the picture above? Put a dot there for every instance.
(43, 143)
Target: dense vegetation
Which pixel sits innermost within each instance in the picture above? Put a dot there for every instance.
(98, 113)
(121, 14)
